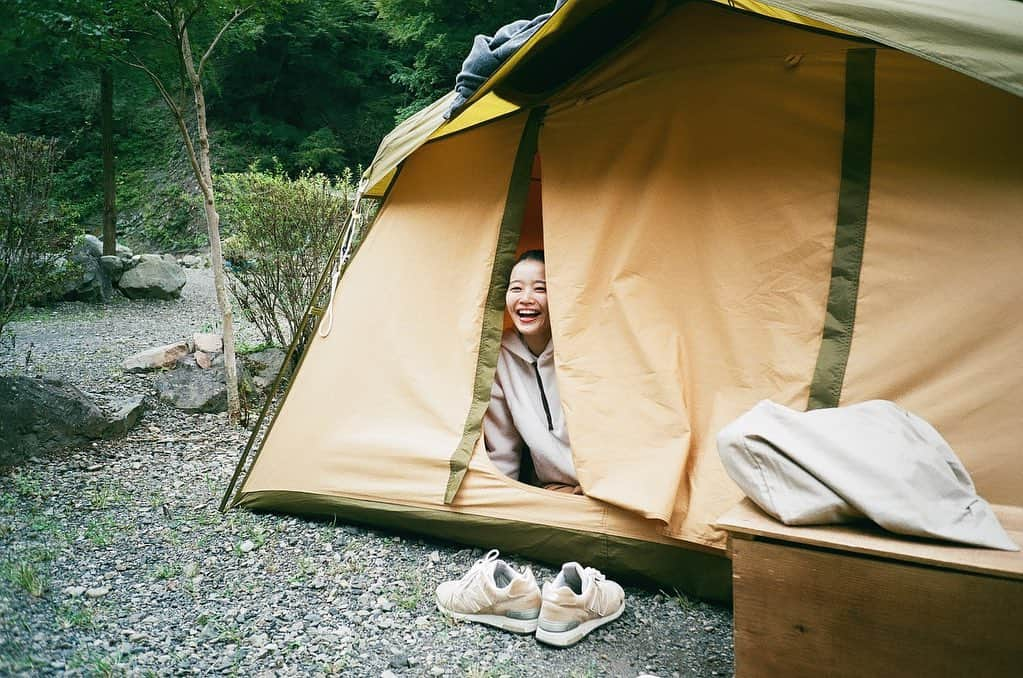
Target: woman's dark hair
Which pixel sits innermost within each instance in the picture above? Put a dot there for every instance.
(530, 255)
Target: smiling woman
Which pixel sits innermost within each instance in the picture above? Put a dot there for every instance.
(525, 415)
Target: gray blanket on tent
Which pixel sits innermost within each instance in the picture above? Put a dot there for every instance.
(872, 460)
(489, 52)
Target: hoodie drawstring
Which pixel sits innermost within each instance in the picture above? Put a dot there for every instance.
(543, 396)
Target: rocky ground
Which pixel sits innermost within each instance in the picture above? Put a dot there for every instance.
(115, 560)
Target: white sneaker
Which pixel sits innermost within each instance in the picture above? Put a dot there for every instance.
(493, 593)
(578, 601)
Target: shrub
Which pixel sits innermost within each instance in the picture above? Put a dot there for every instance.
(34, 231)
(282, 231)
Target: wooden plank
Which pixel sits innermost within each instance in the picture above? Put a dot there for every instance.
(805, 612)
(869, 539)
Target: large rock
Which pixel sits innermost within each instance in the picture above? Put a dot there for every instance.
(264, 366)
(123, 415)
(126, 256)
(191, 388)
(93, 245)
(155, 358)
(154, 277)
(113, 266)
(38, 416)
(208, 342)
(85, 277)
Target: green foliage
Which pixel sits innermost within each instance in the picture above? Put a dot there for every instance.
(165, 571)
(106, 496)
(315, 83)
(243, 347)
(75, 615)
(317, 92)
(34, 231)
(282, 233)
(24, 575)
(101, 532)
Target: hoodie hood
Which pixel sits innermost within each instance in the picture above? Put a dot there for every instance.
(516, 345)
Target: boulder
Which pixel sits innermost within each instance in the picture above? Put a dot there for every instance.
(191, 261)
(208, 342)
(124, 252)
(93, 245)
(154, 277)
(123, 415)
(113, 266)
(264, 366)
(44, 415)
(193, 389)
(155, 358)
(85, 279)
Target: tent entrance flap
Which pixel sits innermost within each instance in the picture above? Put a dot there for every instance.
(368, 402)
(493, 313)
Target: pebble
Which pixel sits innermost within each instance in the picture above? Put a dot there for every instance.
(246, 546)
(97, 592)
(74, 591)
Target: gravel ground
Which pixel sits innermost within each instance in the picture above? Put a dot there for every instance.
(115, 561)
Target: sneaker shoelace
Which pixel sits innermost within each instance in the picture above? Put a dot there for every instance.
(491, 556)
(476, 596)
(598, 601)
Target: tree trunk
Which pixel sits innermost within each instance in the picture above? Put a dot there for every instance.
(106, 105)
(205, 179)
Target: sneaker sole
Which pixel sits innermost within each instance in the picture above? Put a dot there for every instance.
(523, 626)
(573, 636)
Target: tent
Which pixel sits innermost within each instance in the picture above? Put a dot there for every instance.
(818, 203)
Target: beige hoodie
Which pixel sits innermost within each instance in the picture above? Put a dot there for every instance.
(525, 413)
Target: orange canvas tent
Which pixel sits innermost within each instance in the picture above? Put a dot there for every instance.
(737, 201)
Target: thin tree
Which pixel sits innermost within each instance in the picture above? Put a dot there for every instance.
(175, 18)
(106, 107)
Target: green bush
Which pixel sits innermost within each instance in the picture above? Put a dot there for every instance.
(34, 231)
(282, 231)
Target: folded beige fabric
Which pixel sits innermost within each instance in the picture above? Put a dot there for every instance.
(872, 459)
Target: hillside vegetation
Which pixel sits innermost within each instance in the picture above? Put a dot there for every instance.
(306, 85)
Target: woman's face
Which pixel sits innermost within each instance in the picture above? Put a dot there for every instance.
(526, 302)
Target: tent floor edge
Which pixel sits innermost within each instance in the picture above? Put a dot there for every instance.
(650, 564)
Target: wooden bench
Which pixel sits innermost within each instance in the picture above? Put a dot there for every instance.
(859, 601)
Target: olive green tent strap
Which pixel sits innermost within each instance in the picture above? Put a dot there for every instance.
(490, 336)
(305, 330)
(850, 230)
